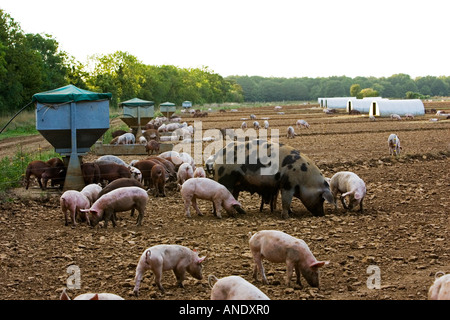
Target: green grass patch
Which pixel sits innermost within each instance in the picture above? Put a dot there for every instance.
(12, 170)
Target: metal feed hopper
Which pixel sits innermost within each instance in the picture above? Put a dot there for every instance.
(137, 113)
(72, 119)
(167, 109)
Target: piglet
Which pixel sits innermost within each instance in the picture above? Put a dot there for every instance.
(199, 173)
(92, 191)
(158, 177)
(290, 133)
(279, 247)
(73, 201)
(184, 173)
(394, 145)
(348, 184)
(302, 123)
(208, 189)
(91, 296)
(234, 288)
(118, 200)
(166, 257)
(440, 289)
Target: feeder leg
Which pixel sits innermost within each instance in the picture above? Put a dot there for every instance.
(74, 177)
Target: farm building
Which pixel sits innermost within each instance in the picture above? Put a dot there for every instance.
(361, 105)
(337, 102)
(384, 108)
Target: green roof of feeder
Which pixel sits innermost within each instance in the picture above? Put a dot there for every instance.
(69, 93)
(136, 102)
(167, 104)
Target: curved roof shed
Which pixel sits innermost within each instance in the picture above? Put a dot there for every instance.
(337, 102)
(361, 105)
(384, 108)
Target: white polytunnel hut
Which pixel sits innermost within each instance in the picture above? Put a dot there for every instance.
(361, 105)
(384, 108)
(337, 102)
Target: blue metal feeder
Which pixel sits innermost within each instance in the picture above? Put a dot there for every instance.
(72, 119)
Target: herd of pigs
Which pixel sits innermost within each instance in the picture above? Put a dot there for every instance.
(127, 187)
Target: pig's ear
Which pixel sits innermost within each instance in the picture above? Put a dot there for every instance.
(200, 260)
(316, 265)
(64, 295)
(95, 297)
(84, 210)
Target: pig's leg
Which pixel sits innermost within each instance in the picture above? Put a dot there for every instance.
(218, 207)
(361, 206)
(140, 270)
(180, 275)
(158, 271)
(195, 206)
(132, 212)
(73, 212)
(187, 204)
(64, 210)
(289, 270)
(40, 183)
(109, 214)
(258, 265)
(140, 216)
(298, 274)
(286, 199)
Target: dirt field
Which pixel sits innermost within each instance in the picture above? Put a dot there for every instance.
(404, 230)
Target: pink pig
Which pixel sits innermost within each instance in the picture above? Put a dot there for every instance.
(208, 189)
(91, 296)
(118, 200)
(166, 257)
(184, 173)
(348, 184)
(199, 173)
(278, 247)
(74, 201)
(234, 288)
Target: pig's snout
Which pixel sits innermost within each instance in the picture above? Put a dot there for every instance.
(239, 209)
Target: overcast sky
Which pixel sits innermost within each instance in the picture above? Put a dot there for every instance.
(279, 38)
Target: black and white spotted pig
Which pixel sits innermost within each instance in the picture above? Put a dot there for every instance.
(292, 173)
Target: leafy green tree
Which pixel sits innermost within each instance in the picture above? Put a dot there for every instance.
(355, 89)
(368, 92)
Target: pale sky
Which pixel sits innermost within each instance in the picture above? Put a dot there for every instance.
(279, 38)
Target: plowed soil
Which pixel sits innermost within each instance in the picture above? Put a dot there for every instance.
(403, 232)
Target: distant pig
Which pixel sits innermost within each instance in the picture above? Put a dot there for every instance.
(158, 177)
(73, 201)
(118, 200)
(302, 123)
(440, 289)
(207, 189)
(184, 173)
(348, 184)
(279, 247)
(394, 145)
(152, 146)
(290, 133)
(166, 257)
(234, 288)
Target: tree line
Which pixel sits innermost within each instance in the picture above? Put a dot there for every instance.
(399, 86)
(33, 63)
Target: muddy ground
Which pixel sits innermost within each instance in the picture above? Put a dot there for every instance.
(404, 230)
